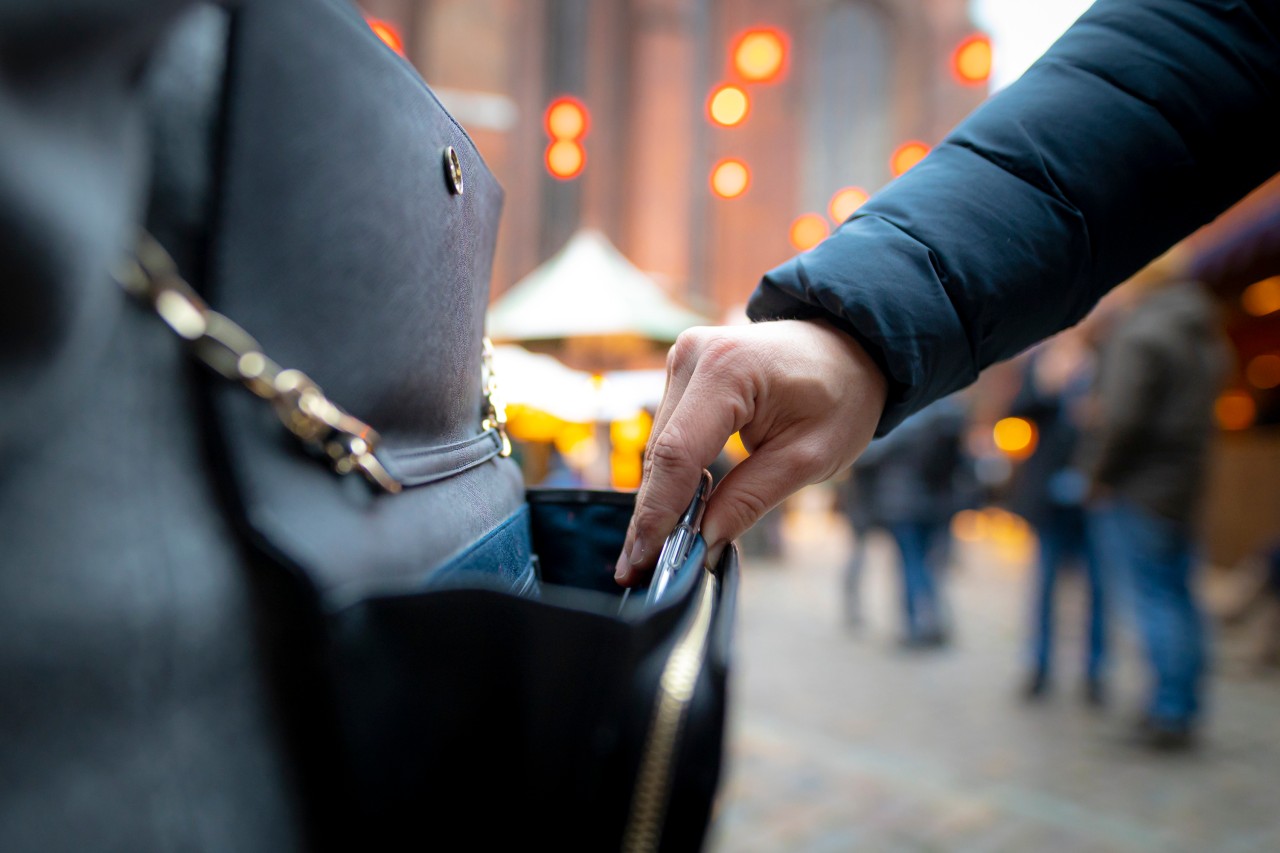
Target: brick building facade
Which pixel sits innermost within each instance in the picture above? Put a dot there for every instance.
(860, 78)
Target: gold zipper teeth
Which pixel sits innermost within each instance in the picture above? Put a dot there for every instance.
(675, 692)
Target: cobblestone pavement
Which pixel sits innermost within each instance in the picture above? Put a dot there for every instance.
(841, 741)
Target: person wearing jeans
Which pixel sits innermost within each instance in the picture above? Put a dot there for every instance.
(1048, 490)
(1160, 555)
(1064, 538)
(917, 472)
(1159, 375)
(917, 542)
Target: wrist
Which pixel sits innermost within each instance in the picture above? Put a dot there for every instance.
(870, 379)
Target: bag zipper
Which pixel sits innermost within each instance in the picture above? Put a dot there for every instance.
(675, 694)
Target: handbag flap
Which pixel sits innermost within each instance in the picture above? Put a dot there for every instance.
(353, 237)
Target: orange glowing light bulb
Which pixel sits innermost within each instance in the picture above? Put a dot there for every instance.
(907, 155)
(730, 178)
(728, 105)
(808, 231)
(845, 202)
(566, 118)
(971, 60)
(760, 55)
(386, 31)
(565, 159)
(1015, 437)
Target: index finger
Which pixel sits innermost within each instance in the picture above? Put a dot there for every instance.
(700, 423)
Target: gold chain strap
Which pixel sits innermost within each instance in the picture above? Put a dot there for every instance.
(347, 442)
(495, 413)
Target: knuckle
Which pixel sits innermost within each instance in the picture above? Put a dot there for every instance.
(685, 349)
(721, 354)
(730, 369)
(667, 450)
(745, 510)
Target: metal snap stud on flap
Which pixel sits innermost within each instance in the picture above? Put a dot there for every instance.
(453, 170)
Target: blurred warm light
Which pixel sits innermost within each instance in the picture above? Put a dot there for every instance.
(572, 435)
(969, 525)
(735, 449)
(808, 231)
(565, 159)
(1235, 410)
(728, 105)
(1264, 371)
(529, 424)
(1012, 536)
(845, 202)
(566, 118)
(760, 55)
(581, 456)
(624, 469)
(730, 178)
(631, 434)
(1009, 534)
(971, 60)
(386, 31)
(907, 155)
(1015, 437)
(1007, 528)
(1263, 297)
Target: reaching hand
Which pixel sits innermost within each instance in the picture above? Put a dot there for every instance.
(805, 398)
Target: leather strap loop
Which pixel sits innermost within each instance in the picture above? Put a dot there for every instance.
(420, 466)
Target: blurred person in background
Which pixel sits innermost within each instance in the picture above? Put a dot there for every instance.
(854, 499)
(1251, 254)
(912, 494)
(1159, 374)
(1049, 491)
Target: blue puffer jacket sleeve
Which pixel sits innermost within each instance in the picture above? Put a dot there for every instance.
(1144, 121)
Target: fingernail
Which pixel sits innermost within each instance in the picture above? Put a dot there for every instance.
(622, 570)
(638, 551)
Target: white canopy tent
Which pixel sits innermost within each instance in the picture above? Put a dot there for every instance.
(588, 290)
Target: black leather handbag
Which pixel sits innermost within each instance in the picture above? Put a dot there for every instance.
(451, 657)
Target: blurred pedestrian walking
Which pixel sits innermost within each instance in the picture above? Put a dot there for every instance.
(1158, 378)
(1049, 492)
(856, 499)
(914, 496)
